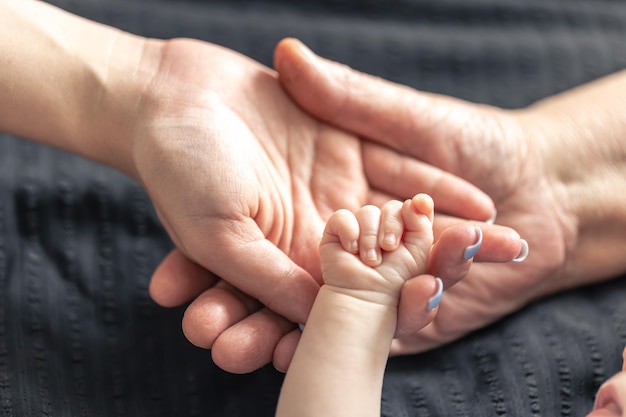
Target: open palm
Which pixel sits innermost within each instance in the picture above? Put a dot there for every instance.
(243, 180)
(501, 152)
(240, 175)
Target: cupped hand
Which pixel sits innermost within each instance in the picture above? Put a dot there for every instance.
(243, 180)
(505, 153)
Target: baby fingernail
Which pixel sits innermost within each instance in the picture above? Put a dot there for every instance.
(433, 301)
(371, 255)
(470, 251)
(523, 252)
(389, 239)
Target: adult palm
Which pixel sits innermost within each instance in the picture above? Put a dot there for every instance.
(243, 179)
(233, 169)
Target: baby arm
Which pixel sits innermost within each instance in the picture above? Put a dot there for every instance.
(339, 364)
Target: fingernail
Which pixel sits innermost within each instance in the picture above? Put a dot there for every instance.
(523, 252)
(492, 219)
(389, 238)
(433, 301)
(354, 246)
(301, 326)
(470, 251)
(371, 255)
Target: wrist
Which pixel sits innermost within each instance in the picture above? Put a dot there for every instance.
(71, 83)
(581, 143)
(352, 308)
(350, 326)
(115, 109)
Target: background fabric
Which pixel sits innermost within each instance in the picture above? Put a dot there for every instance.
(79, 335)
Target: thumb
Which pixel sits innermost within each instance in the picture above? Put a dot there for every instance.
(393, 114)
(241, 255)
(440, 131)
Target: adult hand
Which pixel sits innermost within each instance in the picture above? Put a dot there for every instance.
(260, 176)
(243, 181)
(551, 170)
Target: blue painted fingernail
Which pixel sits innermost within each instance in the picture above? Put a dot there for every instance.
(301, 326)
(433, 301)
(523, 252)
(470, 251)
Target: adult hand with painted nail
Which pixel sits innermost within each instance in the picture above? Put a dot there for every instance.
(552, 170)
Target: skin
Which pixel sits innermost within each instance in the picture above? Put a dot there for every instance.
(190, 122)
(611, 398)
(572, 218)
(347, 338)
(529, 161)
(297, 172)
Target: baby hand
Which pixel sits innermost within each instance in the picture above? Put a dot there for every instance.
(371, 253)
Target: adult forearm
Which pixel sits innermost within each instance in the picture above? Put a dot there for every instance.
(69, 82)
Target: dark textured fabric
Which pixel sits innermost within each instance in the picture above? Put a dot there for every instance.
(79, 335)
